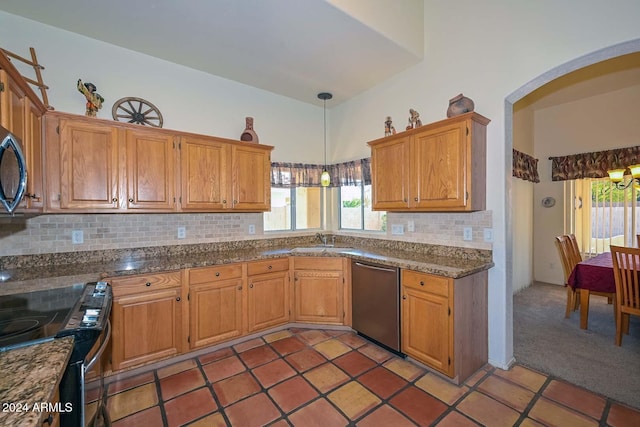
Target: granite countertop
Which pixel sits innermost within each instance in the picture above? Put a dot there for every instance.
(30, 375)
(55, 272)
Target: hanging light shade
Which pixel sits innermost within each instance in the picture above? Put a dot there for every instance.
(325, 178)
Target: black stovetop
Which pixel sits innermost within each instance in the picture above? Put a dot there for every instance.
(31, 317)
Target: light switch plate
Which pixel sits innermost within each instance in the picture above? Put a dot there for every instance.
(411, 226)
(488, 234)
(252, 229)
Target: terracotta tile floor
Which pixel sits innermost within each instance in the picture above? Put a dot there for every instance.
(309, 377)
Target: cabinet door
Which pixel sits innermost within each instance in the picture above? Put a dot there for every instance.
(204, 170)
(425, 328)
(151, 180)
(88, 166)
(439, 167)
(318, 296)
(216, 312)
(251, 183)
(146, 327)
(390, 174)
(34, 200)
(268, 300)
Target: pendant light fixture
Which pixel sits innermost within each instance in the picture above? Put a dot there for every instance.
(325, 179)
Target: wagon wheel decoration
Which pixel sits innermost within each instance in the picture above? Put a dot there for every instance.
(136, 110)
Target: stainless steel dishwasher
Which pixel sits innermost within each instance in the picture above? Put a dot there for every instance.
(375, 293)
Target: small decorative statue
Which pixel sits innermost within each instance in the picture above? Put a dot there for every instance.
(249, 134)
(414, 119)
(94, 100)
(388, 127)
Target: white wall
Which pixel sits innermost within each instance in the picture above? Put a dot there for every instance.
(189, 100)
(486, 50)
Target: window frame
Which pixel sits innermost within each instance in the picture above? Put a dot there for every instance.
(362, 211)
(293, 206)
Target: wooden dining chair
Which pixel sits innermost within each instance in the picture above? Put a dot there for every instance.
(569, 261)
(626, 270)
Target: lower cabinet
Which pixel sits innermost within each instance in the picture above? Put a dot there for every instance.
(319, 290)
(215, 304)
(444, 322)
(146, 318)
(268, 302)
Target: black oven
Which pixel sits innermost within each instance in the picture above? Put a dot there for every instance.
(81, 311)
(82, 383)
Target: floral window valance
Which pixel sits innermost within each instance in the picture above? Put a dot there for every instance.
(286, 175)
(593, 165)
(525, 166)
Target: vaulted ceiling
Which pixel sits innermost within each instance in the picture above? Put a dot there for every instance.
(296, 48)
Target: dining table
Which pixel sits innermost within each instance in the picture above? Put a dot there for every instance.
(593, 276)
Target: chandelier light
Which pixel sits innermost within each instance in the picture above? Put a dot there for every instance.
(325, 179)
(617, 177)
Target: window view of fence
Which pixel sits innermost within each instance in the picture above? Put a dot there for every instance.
(613, 215)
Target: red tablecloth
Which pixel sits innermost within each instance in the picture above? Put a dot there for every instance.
(595, 274)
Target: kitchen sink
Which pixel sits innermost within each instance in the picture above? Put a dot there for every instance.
(319, 249)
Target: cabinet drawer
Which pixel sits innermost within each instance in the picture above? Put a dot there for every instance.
(215, 273)
(267, 266)
(426, 282)
(144, 283)
(317, 263)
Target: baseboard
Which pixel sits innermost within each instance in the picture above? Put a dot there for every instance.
(504, 367)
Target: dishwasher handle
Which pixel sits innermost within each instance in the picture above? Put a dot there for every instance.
(374, 267)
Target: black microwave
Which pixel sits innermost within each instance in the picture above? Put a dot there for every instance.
(13, 171)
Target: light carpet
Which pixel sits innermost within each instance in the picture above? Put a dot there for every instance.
(544, 340)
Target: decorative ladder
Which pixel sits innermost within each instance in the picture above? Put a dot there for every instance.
(37, 68)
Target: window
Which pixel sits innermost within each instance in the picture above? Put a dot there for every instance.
(355, 210)
(606, 215)
(297, 208)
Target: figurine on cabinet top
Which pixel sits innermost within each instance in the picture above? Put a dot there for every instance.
(388, 127)
(94, 100)
(249, 134)
(414, 119)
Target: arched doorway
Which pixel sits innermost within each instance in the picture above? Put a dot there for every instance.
(631, 47)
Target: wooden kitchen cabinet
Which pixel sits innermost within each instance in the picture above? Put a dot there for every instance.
(444, 322)
(147, 319)
(21, 113)
(319, 290)
(151, 170)
(268, 302)
(251, 177)
(90, 177)
(216, 304)
(205, 174)
(97, 166)
(437, 167)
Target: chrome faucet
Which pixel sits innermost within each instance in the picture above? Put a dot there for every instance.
(322, 238)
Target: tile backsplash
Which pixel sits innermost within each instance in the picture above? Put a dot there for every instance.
(53, 233)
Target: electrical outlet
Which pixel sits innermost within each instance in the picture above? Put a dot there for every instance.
(77, 237)
(252, 229)
(182, 232)
(397, 229)
(467, 233)
(411, 226)
(488, 234)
